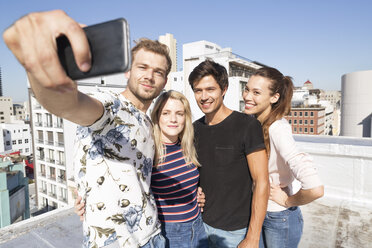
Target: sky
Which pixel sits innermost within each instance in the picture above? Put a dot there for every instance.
(318, 40)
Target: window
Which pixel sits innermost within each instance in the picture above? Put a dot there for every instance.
(300, 121)
(27, 150)
(2, 117)
(311, 113)
(311, 122)
(8, 143)
(14, 142)
(175, 79)
(290, 121)
(20, 150)
(294, 121)
(300, 129)
(20, 141)
(26, 141)
(311, 130)
(305, 122)
(305, 129)
(306, 113)
(1, 113)
(295, 113)
(295, 129)
(300, 113)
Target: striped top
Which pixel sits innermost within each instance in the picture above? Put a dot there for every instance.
(174, 185)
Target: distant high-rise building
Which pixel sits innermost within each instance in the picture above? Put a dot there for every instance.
(1, 84)
(171, 42)
(6, 109)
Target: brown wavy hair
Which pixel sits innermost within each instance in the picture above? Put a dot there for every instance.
(282, 85)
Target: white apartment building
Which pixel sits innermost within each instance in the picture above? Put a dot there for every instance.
(16, 137)
(53, 139)
(238, 68)
(6, 109)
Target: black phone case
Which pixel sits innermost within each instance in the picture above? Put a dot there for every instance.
(110, 49)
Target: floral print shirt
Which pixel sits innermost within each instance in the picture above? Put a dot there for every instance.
(113, 163)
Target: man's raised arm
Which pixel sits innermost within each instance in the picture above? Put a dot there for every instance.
(32, 39)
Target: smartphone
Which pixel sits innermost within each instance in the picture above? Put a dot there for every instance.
(109, 45)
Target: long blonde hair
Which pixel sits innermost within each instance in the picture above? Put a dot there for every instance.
(186, 136)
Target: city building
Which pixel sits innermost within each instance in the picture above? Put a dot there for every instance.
(356, 104)
(53, 140)
(21, 111)
(14, 201)
(6, 109)
(239, 70)
(307, 120)
(171, 42)
(16, 137)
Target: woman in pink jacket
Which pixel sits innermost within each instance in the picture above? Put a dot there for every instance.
(268, 96)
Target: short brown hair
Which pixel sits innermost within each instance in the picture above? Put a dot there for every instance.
(155, 47)
(210, 68)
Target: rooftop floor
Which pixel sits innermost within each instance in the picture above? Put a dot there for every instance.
(328, 223)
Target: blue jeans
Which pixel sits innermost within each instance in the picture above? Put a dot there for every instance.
(185, 235)
(157, 241)
(219, 238)
(282, 229)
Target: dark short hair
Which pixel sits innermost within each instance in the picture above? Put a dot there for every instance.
(155, 47)
(210, 68)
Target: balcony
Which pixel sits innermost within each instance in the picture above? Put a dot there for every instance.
(49, 142)
(42, 174)
(41, 158)
(50, 160)
(61, 179)
(40, 141)
(52, 177)
(60, 162)
(58, 125)
(54, 195)
(43, 190)
(38, 124)
(59, 143)
(48, 124)
(62, 198)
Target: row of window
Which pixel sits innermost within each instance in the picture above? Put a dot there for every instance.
(305, 130)
(300, 113)
(300, 122)
(14, 142)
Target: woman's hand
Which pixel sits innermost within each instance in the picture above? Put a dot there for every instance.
(200, 198)
(278, 195)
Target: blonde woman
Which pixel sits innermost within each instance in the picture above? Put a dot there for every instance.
(175, 175)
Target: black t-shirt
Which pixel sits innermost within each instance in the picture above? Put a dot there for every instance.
(224, 172)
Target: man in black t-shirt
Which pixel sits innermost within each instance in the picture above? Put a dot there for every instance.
(233, 173)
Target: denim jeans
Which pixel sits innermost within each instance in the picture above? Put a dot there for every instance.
(185, 235)
(158, 241)
(219, 238)
(282, 229)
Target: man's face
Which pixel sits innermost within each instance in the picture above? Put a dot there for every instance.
(147, 76)
(208, 95)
